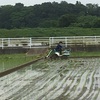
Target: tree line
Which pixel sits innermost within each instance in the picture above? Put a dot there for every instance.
(50, 14)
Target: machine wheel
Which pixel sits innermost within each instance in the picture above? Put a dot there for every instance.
(54, 56)
(64, 57)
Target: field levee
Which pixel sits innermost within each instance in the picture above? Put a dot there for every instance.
(73, 48)
(85, 48)
(37, 50)
(13, 50)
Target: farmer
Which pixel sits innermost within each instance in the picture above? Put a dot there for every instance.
(59, 47)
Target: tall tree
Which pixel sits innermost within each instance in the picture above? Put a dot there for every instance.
(66, 20)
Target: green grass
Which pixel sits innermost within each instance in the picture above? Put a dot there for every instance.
(85, 53)
(8, 61)
(49, 32)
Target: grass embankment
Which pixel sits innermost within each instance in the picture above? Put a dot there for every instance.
(49, 32)
(8, 61)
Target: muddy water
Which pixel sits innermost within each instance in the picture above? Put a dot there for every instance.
(71, 79)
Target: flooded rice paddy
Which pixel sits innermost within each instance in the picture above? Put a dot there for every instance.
(71, 79)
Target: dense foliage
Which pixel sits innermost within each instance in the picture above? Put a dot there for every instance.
(49, 14)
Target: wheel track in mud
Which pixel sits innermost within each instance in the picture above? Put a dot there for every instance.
(72, 79)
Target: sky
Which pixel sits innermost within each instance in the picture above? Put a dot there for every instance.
(33, 2)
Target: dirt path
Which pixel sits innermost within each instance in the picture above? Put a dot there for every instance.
(71, 79)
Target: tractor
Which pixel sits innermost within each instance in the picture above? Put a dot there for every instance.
(53, 54)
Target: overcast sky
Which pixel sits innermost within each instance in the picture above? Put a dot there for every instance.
(33, 2)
